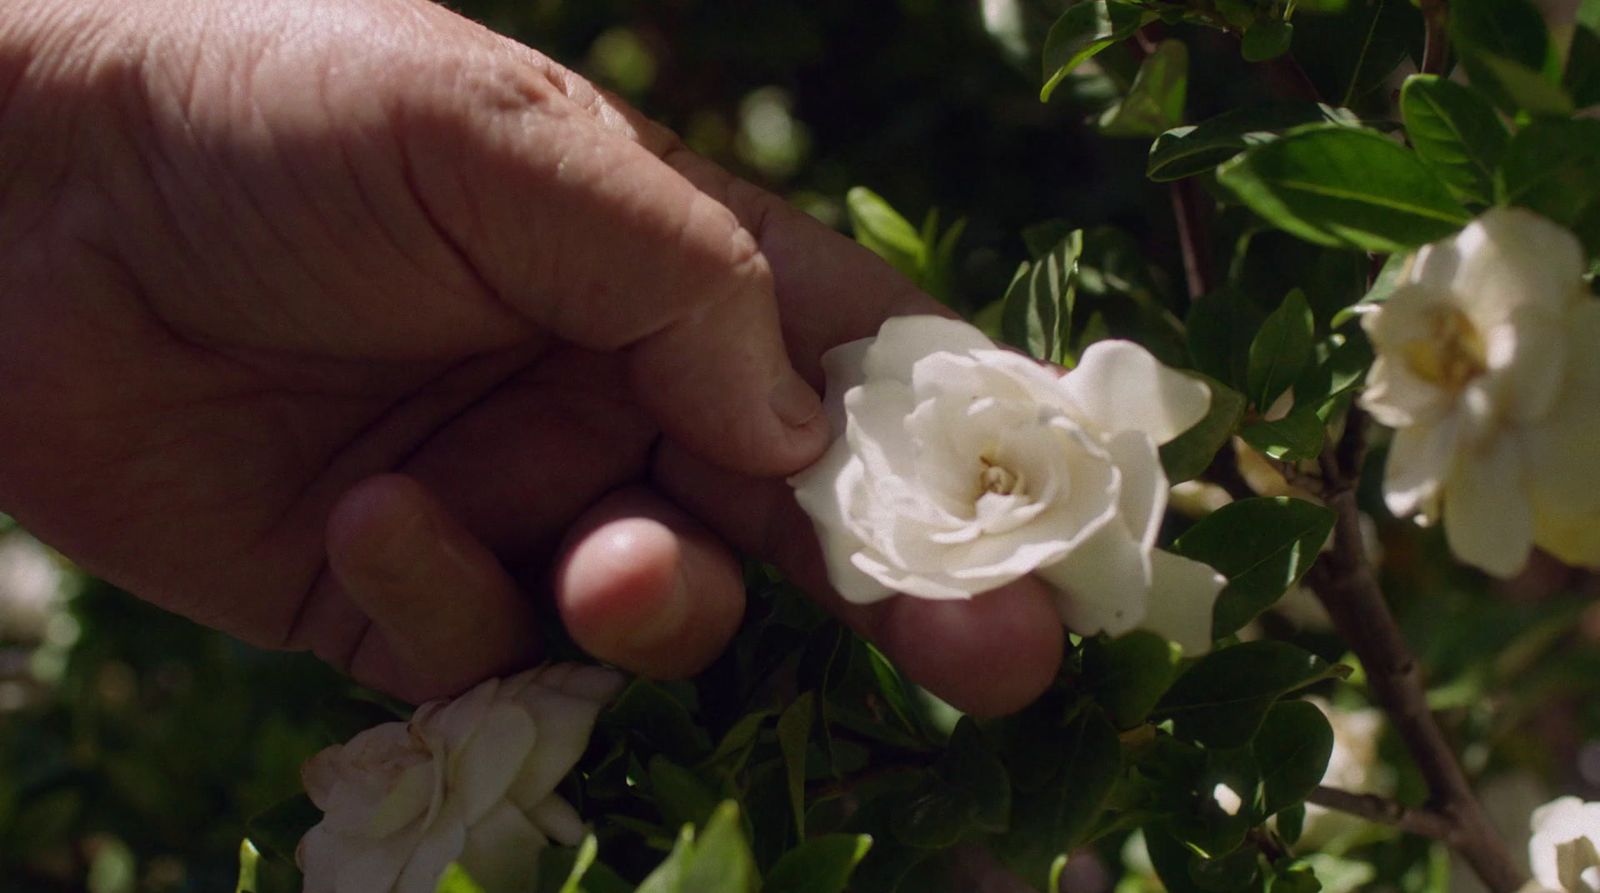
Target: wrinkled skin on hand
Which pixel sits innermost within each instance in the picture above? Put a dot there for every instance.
(350, 326)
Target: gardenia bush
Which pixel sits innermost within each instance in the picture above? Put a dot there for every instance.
(1375, 293)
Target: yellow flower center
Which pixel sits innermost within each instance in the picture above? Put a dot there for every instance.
(1452, 355)
(997, 479)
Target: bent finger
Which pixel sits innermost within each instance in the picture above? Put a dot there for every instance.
(643, 586)
(444, 614)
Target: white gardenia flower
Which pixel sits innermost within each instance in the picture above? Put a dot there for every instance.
(1488, 371)
(469, 780)
(1565, 850)
(1353, 765)
(961, 467)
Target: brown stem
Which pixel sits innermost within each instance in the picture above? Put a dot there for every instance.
(1436, 18)
(1343, 580)
(1193, 237)
(1385, 812)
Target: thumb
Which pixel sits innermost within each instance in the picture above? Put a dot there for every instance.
(601, 241)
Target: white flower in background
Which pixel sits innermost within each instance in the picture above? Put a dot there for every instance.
(470, 780)
(33, 587)
(1488, 371)
(1565, 850)
(1353, 766)
(961, 467)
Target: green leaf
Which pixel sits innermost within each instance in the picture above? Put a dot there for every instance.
(1219, 329)
(276, 830)
(883, 231)
(1155, 100)
(1221, 701)
(820, 865)
(1128, 675)
(1263, 546)
(1188, 455)
(1292, 751)
(1553, 168)
(1281, 350)
(456, 880)
(1237, 871)
(1056, 810)
(679, 794)
(1170, 859)
(794, 733)
(1295, 437)
(1582, 77)
(1344, 187)
(968, 791)
(649, 711)
(1266, 39)
(1351, 54)
(1291, 822)
(1083, 30)
(717, 861)
(1038, 305)
(1456, 133)
(249, 859)
(1186, 151)
(1505, 48)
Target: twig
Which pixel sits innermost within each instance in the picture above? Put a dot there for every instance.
(1436, 19)
(1193, 237)
(1343, 580)
(1385, 812)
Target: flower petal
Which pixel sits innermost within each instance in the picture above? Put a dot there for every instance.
(317, 856)
(1487, 520)
(903, 340)
(1104, 585)
(1419, 458)
(1509, 258)
(1118, 386)
(822, 492)
(1142, 496)
(430, 857)
(557, 819)
(502, 849)
(560, 700)
(1183, 593)
(483, 767)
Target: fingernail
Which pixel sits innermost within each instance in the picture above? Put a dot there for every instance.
(795, 402)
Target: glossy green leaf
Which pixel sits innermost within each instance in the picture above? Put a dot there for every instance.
(1083, 30)
(1186, 151)
(1266, 39)
(648, 710)
(820, 865)
(1038, 305)
(1505, 47)
(883, 231)
(1129, 674)
(1344, 187)
(1292, 751)
(1281, 350)
(1156, 99)
(794, 733)
(1218, 331)
(1456, 133)
(1222, 700)
(717, 860)
(1262, 545)
(1298, 435)
(1188, 455)
(679, 794)
(1351, 54)
(1553, 168)
(1056, 812)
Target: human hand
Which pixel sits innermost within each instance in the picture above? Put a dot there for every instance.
(320, 316)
